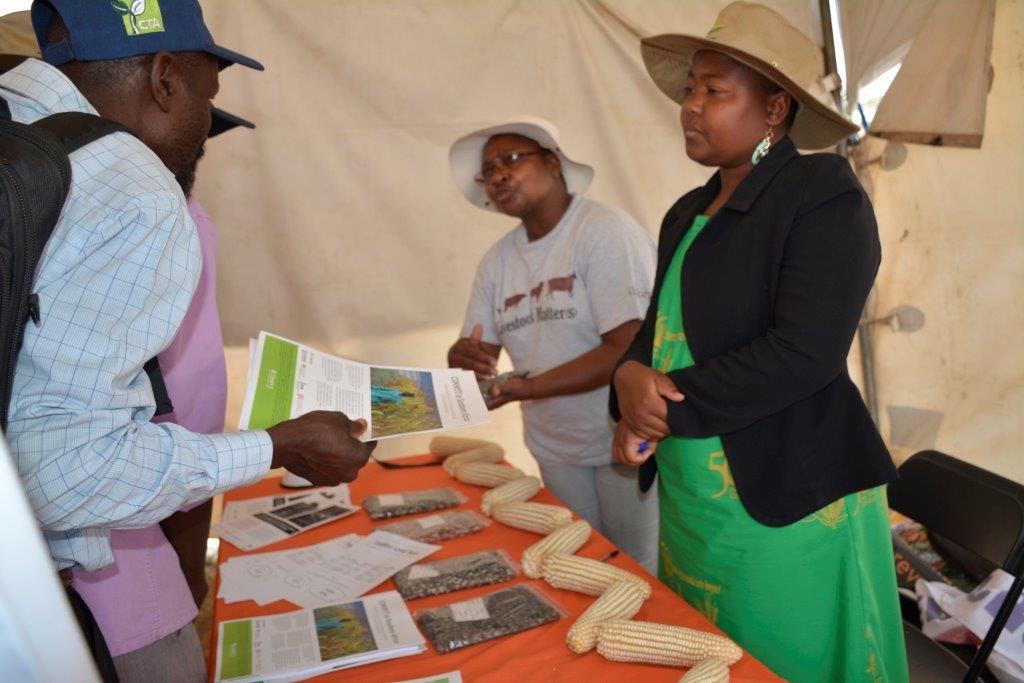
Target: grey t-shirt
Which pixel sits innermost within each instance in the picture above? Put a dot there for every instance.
(549, 301)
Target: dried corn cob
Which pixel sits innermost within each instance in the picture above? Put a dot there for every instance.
(490, 453)
(586, 576)
(711, 670)
(450, 445)
(515, 491)
(643, 641)
(621, 601)
(564, 541)
(487, 474)
(540, 518)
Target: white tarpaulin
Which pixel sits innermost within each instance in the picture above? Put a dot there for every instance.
(340, 225)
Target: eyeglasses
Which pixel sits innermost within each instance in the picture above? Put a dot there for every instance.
(508, 160)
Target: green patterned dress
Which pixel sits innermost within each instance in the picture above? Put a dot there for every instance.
(815, 600)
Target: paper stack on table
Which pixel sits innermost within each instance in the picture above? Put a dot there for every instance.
(298, 645)
(286, 379)
(256, 529)
(323, 574)
(243, 508)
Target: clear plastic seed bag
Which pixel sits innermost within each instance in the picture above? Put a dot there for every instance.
(465, 571)
(496, 614)
(387, 505)
(439, 527)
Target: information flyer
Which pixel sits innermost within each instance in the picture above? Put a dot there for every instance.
(287, 379)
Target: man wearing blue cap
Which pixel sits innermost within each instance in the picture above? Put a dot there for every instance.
(115, 280)
(141, 603)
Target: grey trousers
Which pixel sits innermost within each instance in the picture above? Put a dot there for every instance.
(177, 658)
(608, 497)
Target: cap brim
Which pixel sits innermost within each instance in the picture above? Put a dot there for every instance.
(223, 121)
(228, 57)
(668, 57)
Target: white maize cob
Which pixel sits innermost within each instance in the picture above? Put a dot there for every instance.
(586, 576)
(515, 491)
(711, 670)
(490, 453)
(564, 541)
(540, 518)
(621, 601)
(450, 445)
(643, 641)
(486, 474)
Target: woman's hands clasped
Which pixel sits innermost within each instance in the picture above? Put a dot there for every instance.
(643, 396)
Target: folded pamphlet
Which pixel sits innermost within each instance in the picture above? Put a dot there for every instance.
(287, 379)
(298, 645)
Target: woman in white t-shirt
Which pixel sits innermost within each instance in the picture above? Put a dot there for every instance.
(564, 292)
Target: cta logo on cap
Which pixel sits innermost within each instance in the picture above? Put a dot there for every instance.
(139, 17)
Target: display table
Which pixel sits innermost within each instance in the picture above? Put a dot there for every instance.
(539, 654)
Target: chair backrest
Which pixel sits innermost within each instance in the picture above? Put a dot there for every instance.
(976, 509)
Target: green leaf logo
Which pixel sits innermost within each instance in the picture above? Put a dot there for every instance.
(139, 16)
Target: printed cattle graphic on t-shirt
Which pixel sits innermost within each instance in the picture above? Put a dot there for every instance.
(561, 310)
(560, 284)
(513, 301)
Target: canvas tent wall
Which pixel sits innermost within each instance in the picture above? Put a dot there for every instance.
(341, 227)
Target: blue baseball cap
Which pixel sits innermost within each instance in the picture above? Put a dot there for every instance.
(115, 29)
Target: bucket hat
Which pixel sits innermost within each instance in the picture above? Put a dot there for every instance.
(464, 157)
(766, 42)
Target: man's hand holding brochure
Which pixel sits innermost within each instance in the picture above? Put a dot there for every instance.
(323, 414)
(287, 379)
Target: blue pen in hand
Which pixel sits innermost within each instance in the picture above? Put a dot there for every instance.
(642, 448)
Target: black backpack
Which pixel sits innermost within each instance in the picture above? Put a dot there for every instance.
(35, 177)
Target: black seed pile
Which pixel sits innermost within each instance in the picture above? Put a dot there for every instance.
(439, 527)
(510, 610)
(456, 573)
(425, 500)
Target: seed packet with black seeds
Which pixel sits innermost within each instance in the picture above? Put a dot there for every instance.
(387, 505)
(455, 573)
(496, 614)
(439, 527)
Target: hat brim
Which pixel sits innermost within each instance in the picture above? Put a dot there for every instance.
(668, 58)
(466, 152)
(228, 57)
(222, 122)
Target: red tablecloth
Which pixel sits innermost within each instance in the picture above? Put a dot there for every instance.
(539, 654)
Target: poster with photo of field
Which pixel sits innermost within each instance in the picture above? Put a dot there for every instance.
(343, 630)
(402, 402)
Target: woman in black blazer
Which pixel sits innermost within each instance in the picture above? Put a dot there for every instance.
(735, 391)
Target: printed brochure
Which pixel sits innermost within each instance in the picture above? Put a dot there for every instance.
(287, 379)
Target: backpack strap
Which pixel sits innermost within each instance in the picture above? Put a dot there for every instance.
(5, 110)
(75, 130)
(160, 395)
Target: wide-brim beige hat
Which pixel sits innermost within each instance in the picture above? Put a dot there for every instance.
(763, 40)
(466, 152)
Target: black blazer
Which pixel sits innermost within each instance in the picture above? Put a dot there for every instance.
(772, 292)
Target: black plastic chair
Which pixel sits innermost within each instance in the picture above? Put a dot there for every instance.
(981, 512)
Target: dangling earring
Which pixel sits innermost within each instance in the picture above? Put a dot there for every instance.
(762, 149)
